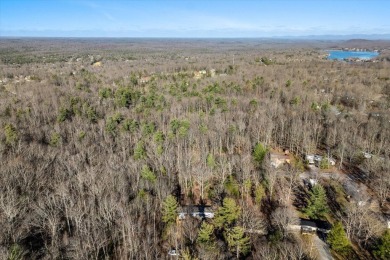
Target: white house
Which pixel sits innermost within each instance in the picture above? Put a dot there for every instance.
(197, 211)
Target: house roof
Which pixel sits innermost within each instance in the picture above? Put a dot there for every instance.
(195, 208)
(322, 224)
(307, 223)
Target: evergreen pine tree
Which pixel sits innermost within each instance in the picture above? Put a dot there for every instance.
(317, 205)
(228, 213)
(205, 235)
(169, 210)
(237, 241)
(383, 249)
(337, 238)
(259, 153)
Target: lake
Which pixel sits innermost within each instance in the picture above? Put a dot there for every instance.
(341, 55)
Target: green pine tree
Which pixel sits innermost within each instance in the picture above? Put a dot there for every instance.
(205, 235)
(337, 238)
(259, 193)
(228, 213)
(169, 210)
(139, 151)
(383, 249)
(237, 241)
(317, 205)
(325, 164)
(186, 254)
(148, 174)
(259, 153)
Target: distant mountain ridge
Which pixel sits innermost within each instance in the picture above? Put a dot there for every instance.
(186, 34)
(348, 37)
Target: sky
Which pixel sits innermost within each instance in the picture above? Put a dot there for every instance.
(189, 18)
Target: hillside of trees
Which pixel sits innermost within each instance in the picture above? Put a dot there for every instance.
(104, 142)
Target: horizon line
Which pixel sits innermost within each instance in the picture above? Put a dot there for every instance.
(308, 36)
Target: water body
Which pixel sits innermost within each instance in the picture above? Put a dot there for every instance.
(341, 55)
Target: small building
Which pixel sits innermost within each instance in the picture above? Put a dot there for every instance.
(310, 158)
(195, 211)
(323, 226)
(317, 159)
(307, 226)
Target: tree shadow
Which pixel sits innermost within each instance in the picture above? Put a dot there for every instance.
(300, 198)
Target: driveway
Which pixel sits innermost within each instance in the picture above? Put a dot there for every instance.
(322, 248)
(356, 190)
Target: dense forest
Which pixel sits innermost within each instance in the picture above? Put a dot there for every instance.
(193, 149)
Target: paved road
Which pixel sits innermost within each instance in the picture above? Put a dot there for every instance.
(323, 249)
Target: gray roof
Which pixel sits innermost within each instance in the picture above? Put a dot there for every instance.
(307, 223)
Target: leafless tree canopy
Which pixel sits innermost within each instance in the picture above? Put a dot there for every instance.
(96, 133)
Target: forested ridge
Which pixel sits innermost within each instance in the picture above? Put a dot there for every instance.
(104, 142)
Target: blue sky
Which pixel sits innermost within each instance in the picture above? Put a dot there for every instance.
(186, 18)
